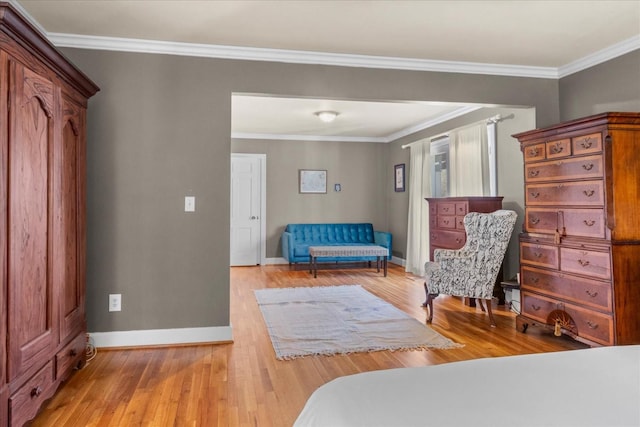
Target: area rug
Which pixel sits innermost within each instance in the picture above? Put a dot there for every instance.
(332, 320)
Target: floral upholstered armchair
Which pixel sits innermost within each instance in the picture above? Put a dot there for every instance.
(471, 271)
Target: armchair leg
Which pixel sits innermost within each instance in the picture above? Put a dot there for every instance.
(480, 304)
(491, 319)
(429, 302)
(426, 294)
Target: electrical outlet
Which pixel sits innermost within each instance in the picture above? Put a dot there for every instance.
(115, 302)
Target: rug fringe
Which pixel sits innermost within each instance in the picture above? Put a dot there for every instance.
(447, 346)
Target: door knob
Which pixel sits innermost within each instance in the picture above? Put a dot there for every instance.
(254, 217)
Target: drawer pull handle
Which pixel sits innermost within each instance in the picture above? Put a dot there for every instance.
(589, 193)
(534, 173)
(534, 152)
(458, 240)
(535, 280)
(591, 294)
(445, 209)
(73, 352)
(36, 391)
(557, 148)
(446, 221)
(537, 254)
(588, 167)
(535, 307)
(589, 222)
(434, 237)
(583, 263)
(535, 195)
(534, 221)
(586, 144)
(592, 325)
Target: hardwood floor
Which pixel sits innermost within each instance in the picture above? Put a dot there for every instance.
(242, 384)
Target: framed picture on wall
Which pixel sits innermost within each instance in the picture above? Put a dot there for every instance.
(312, 181)
(399, 177)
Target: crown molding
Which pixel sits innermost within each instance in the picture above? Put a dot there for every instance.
(326, 138)
(600, 56)
(430, 123)
(322, 58)
(295, 56)
(340, 59)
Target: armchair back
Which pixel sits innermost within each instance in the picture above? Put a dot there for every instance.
(472, 270)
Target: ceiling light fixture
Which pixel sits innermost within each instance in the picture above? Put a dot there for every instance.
(327, 116)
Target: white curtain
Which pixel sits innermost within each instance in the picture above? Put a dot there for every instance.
(418, 221)
(469, 161)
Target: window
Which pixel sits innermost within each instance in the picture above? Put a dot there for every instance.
(440, 167)
(493, 158)
(451, 166)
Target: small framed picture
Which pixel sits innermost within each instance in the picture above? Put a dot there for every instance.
(312, 181)
(399, 177)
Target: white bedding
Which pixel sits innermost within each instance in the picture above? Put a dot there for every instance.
(592, 387)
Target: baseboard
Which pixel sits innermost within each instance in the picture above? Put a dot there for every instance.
(159, 337)
(398, 261)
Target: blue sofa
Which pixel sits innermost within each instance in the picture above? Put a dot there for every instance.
(297, 238)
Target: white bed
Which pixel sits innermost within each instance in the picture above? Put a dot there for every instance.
(592, 387)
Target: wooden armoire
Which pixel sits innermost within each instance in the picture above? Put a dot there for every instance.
(580, 246)
(43, 101)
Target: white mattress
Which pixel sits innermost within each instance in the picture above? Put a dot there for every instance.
(593, 387)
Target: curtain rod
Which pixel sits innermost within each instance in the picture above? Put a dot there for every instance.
(412, 143)
(491, 120)
(499, 118)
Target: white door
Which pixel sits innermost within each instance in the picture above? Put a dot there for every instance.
(246, 209)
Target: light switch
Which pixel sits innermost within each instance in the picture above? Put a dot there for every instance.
(115, 302)
(189, 204)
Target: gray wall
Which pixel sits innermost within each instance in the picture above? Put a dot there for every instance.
(160, 129)
(154, 136)
(611, 86)
(357, 166)
(398, 202)
(511, 177)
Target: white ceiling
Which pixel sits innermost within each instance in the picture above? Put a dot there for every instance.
(261, 117)
(534, 37)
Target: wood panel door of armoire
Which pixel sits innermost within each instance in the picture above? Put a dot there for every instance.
(31, 145)
(69, 226)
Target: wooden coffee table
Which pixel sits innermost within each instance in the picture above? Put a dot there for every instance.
(316, 252)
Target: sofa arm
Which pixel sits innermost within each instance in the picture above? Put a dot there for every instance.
(287, 246)
(382, 238)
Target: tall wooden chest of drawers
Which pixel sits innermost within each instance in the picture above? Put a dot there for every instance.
(580, 246)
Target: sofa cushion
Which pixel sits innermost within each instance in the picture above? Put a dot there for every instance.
(327, 234)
